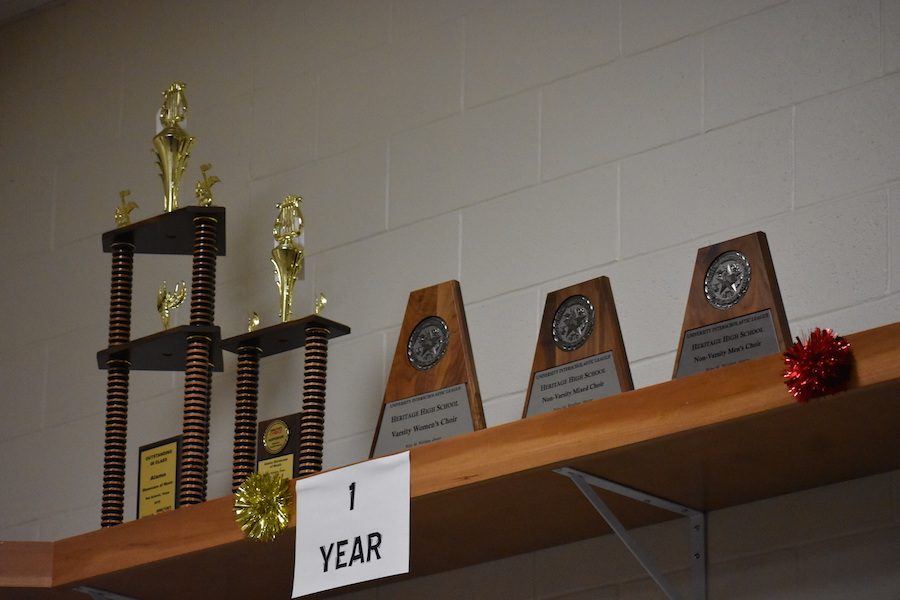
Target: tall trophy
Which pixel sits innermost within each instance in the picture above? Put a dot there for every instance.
(734, 310)
(311, 332)
(196, 231)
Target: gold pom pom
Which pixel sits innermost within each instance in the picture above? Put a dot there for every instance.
(262, 505)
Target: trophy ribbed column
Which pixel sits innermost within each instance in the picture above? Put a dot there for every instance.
(117, 374)
(244, 463)
(198, 367)
(312, 422)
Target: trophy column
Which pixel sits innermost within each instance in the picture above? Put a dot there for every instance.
(244, 463)
(312, 423)
(117, 386)
(198, 367)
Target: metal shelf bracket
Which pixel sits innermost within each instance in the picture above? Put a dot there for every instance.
(585, 483)
(98, 594)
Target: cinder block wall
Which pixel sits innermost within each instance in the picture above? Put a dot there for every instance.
(518, 146)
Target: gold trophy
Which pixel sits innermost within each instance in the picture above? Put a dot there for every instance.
(287, 255)
(173, 144)
(255, 448)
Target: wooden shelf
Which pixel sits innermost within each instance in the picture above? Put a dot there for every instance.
(708, 441)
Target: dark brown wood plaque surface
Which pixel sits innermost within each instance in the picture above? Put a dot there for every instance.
(455, 368)
(711, 326)
(605, 338)
(283, 337)
(167, 233)
(164, 350)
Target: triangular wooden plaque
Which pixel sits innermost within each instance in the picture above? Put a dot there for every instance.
(432, 390)
(734, 310)
(580, 354)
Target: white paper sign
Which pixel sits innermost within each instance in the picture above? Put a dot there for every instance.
(352, 525)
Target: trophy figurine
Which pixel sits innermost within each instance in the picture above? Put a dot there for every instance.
(320, 303)
(253, 322)
(203, 190)
(287, 255)
(167, 301)
(173, 144)
(123, 211)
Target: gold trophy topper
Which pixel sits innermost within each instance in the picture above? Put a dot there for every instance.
(124, 209)
(321, 301)
(287, 255)
(173, 144)
(167, 301)
(204, 186)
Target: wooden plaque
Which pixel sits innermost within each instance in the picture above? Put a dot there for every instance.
(278, 445)
(432, 390)
(580, 354)
(734, 310)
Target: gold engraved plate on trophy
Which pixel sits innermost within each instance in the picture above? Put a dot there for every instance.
(173, 144)
(580, 355)
(278, 444)
(287, 255)
(158, 477)
(734, 310)
(275, 437)
(432, 391)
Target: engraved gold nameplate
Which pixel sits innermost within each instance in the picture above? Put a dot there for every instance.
(279, 442)
(734, 311)
(432, 391)
(580, 355)
(158, 475)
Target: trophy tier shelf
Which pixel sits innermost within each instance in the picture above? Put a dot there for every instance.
(707, 441)
(167, 233)
(163, 351)
(283, 336)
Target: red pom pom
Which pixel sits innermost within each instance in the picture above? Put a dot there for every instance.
(819, 367)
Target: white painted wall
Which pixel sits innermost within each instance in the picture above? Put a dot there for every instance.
(518, 146)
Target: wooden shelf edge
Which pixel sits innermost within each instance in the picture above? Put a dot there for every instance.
(161, 537)
(507, 458)
(669, 408)
(26, 564)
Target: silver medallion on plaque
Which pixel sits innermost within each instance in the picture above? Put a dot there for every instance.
(573, 323)
(427, 343)
(727, 280)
